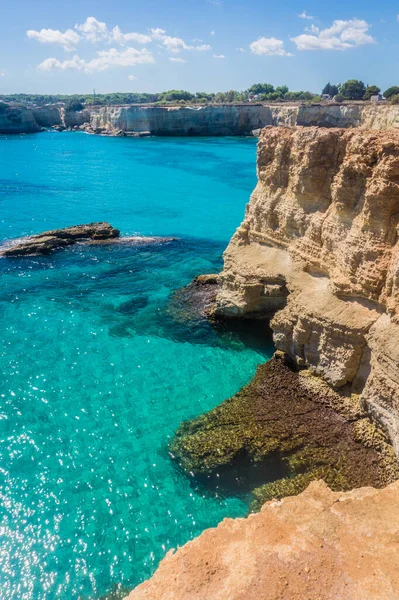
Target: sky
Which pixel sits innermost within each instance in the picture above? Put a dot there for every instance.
(75, 46)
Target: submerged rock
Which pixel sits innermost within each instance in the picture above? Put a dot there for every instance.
(46, 242)
(291, 428)
(319, 545)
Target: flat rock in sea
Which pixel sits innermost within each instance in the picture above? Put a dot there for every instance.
(46, 242)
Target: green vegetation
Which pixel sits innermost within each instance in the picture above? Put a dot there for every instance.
(371, 90)
(392, 91)
(74, 105)
(353, 89)
(331, 90)
(258, 92)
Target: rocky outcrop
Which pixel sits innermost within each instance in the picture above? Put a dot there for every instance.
(318, 249)
(320, 544)
(283, 430)
(48, 241)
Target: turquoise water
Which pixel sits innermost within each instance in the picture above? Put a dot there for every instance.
(96, 371)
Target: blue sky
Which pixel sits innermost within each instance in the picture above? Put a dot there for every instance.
(67, 46)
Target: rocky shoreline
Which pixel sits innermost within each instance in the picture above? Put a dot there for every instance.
(206, 120)
(282, 431)
(317, 254)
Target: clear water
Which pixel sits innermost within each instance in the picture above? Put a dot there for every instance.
(96, 373)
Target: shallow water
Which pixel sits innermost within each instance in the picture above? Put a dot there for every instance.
(97, 371)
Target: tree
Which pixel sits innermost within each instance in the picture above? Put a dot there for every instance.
(353, 89)
(371, 90)
(73, 105)
(282, 90)
(392, 91)
(331, 90)
(260, 88)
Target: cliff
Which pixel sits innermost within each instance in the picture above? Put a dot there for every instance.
(318, 249)
(17, 119)
(228, 119)
(319, 544)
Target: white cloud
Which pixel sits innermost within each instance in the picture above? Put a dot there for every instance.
(93, 30)
(304, 15)
(219, 56)
(270, 46)
(340, 36)
(213, 33)
(3, 72)
(240, 49)
(68, 40)
(177, 60)
(312, 29)
(121, 38)
(132, 77)
(105, 60)
(175, 44)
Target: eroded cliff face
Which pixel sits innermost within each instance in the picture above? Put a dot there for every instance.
(319, 544)
(183, 120)
(17, 120)
(198, 120)
(318, 249)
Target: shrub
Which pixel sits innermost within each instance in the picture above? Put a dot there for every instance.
(395, 99)
(73, 106)
(392, 91)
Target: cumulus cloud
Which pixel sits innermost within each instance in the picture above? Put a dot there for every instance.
(93, 30)
(177, 60)
(68, 40)
(270, 46)
(3, 72)
(342, 35)
(122, 38)
(104, 60)
(219, 56)
(213, 33)
(175, 44)
(304, 15)
(132, 77)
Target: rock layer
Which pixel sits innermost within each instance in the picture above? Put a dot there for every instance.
(320, 544)
(48, 241)
(319, 249)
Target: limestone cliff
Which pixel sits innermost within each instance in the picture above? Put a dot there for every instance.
(17, 119)
(319, 544)
(319, 250)
(226, 119)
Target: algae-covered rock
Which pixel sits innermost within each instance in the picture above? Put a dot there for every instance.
(282, 418)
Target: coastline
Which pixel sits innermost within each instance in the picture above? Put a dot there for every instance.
(203, 120)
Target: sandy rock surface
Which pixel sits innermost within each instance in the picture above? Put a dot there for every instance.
(319, 545)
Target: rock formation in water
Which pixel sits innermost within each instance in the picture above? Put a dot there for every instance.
(283, 430)
(318, 248)
(46, 242)
(319, 545)
(210, 120)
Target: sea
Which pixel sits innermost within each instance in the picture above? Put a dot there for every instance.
(97, 370)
